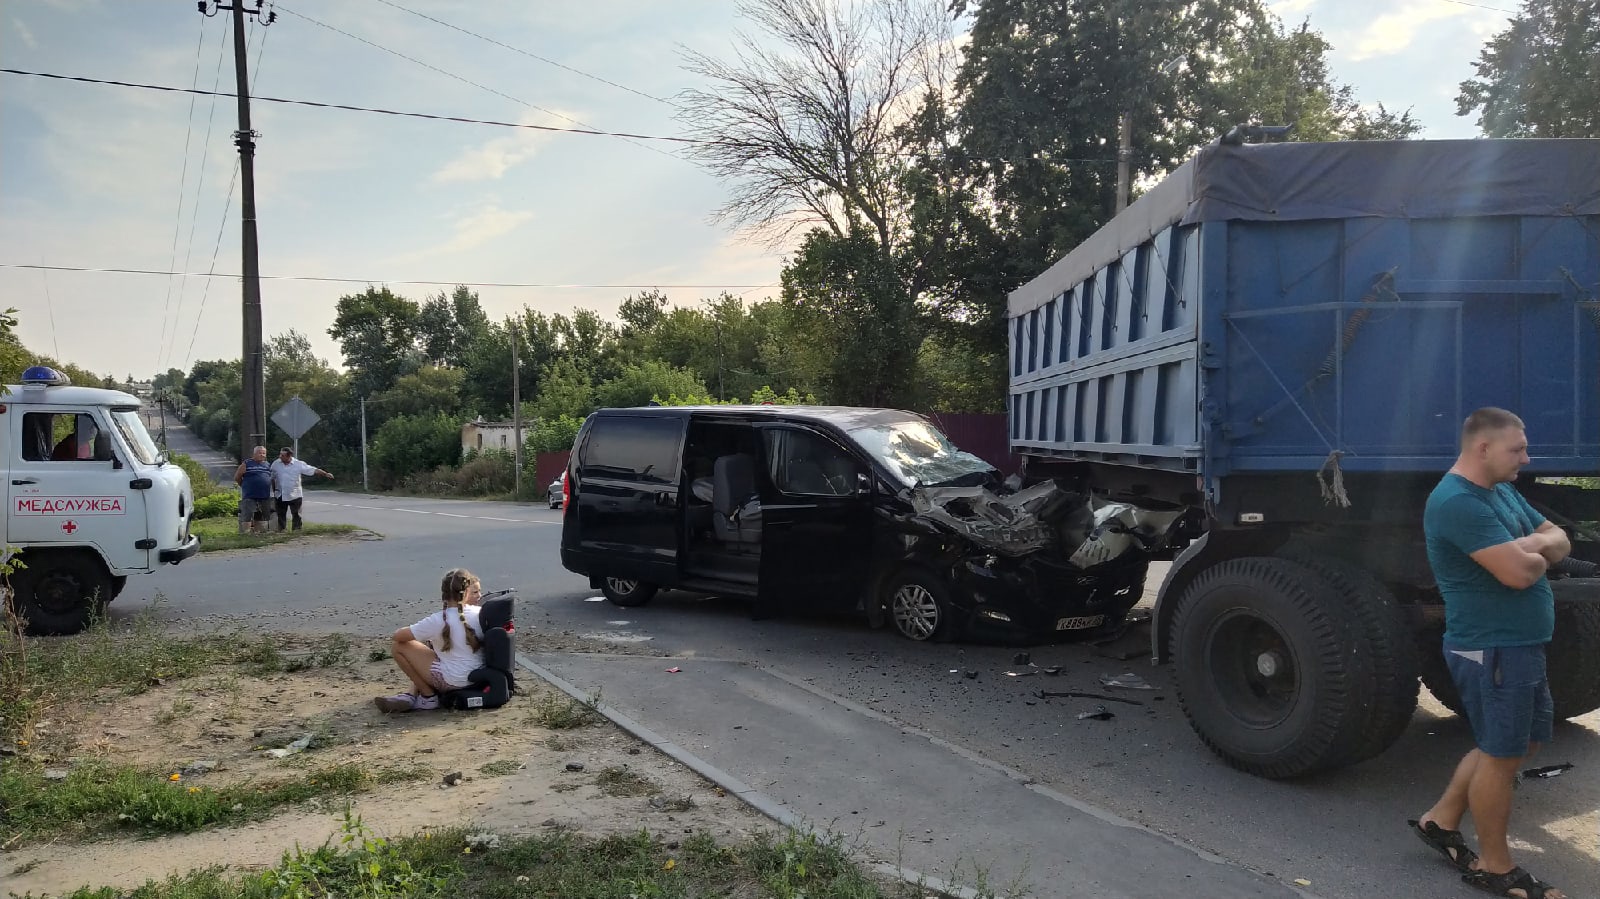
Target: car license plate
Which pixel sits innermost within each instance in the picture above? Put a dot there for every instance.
(1080, 622)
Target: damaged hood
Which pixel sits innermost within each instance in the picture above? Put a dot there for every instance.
(1087, 531)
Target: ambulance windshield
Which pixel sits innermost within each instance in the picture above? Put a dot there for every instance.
(133, 432)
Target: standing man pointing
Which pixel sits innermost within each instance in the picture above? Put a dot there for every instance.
(1489, 551)
(286, 474)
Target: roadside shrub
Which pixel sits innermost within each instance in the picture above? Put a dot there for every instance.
(553, 436)
(199, 479)
(407, 444)
(490, 472)
(221, 504)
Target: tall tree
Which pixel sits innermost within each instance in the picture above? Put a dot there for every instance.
(377, 332)
(1540, 77)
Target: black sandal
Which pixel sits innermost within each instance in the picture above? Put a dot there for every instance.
(1447, 843)
(1502, 884)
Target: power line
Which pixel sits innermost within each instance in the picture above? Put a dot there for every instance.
(183, 182)
(1481, 6)
(227, 204)
(450, 75)
(50, 304)
(536, 56)
(333, 280)
(349, 108)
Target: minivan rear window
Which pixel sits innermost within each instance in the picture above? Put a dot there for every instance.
(633, 448)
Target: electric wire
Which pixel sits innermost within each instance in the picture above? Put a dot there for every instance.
(50, 305)
(167, 321)
(329, 279)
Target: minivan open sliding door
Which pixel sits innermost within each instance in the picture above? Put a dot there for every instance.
(816, 537)
(628, 497)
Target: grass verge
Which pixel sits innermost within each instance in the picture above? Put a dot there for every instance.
(95, 799)
(466, 863)
(218, 534)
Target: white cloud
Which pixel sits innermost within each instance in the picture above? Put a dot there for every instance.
(477, 228)
(1291, 9)
(1393, 32)
(25, 34)
(490, 161)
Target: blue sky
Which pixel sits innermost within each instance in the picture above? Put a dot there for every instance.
(90, 175)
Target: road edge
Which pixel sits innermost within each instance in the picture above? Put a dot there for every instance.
(752, 797)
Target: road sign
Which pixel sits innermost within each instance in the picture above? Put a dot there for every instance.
(295, 417)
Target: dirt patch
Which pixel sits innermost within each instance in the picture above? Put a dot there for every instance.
(516, 775)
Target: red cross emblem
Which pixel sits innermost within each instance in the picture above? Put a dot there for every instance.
(69, 526)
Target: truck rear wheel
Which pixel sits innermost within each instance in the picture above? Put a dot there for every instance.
(59, 593)
(1269, 668)
(1572, 664)
(1389, 643)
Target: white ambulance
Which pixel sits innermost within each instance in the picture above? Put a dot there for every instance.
(90, 499)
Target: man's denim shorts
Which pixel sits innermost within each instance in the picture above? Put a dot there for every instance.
(1506, 696)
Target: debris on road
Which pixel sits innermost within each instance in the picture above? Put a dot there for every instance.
(1053, 670)
(1100, 713)
(1127, 681)
(674, 670)
(1021, 673)
(595, 599)
(1548, 770)
(294, 748)
(1074, 694)
(574, 766)
(451, 779)
(1021, 658)
(970, 675)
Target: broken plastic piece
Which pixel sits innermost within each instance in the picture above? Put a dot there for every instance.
(1548, 770)
(1053, 670)
(1100, 713)
(297, 746)
(1127, 681)
(595, 599)
(1074, 694)
(1021, 658)
(1301, 882)
(1020, 673)
(674, 669)
(970, 675)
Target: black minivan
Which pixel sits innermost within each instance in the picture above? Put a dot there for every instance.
(808, 508)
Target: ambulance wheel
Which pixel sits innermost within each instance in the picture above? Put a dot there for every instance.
(59, 593)
(118, 581)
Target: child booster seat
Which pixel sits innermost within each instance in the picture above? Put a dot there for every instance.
(494, 682)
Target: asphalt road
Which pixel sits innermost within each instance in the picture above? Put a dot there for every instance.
(1344, 832)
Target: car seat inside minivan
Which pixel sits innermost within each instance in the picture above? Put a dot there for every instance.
(722, 502)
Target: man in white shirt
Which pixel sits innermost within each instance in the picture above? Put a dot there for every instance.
(286, 474)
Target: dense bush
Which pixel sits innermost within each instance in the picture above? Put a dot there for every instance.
(199, 479)
(222, 504)
(407, 444)
(554, 436)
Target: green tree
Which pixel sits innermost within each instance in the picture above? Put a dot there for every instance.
(377, 332)
(637, 385)
(407, 444)
(564, 391)
(846, 297)
(14, 359)
(552, 436)
(1540, 77)
(426, 391)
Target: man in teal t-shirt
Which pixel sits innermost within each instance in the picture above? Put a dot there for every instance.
(1489, 551)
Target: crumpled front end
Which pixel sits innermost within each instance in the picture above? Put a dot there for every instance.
(1043, 560)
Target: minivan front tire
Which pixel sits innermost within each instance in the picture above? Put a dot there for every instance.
(626, 592)
(918, 604)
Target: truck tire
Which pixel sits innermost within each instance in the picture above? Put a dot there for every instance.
(626, 592)
(1572, 665)
(59, 593)
(1268, 668)
(1388, 641)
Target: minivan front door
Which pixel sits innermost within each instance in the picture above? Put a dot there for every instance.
(816, 531)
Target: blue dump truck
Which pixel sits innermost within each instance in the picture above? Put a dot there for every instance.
(1280, 343)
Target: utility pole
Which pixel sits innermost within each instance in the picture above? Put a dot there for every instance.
(254, 414)
(516, 404)
(364, 487)
(1124, 157)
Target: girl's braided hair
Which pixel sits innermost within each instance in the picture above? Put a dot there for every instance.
(452, 590)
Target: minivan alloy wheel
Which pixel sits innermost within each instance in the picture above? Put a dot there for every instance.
(916, 612)
(622, 585)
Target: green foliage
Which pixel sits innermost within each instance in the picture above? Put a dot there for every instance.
(218, 504)
(427, 390)
(639, 383)
(1540, 77)
(218, 534)
(553, 436)
(199, 479)
(412, 443)
(377, 331)
(564, 391)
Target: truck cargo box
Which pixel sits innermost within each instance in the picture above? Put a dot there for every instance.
(1269, 308)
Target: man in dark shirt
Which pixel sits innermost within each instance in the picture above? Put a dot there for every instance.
(254, 478)
(1489, 551)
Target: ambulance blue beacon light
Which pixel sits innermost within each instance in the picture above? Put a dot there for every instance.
(39, 376)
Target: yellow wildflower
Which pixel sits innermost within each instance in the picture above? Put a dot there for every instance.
(194, 789)
(175, 777)
(671, 863)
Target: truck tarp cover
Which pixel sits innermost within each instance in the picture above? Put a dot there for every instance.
(1350, 179)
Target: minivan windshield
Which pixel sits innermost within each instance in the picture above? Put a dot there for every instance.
(919, 455)
(133, 432)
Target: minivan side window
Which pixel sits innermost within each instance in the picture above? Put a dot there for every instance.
(633, 448)
(63, 437)
(806, 464)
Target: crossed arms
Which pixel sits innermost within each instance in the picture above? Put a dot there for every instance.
(1521, 562)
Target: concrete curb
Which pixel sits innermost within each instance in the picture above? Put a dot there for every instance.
(752, 797)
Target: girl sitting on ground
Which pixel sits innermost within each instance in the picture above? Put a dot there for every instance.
(438, 652)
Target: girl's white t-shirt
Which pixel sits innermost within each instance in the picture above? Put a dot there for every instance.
(460, 659)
